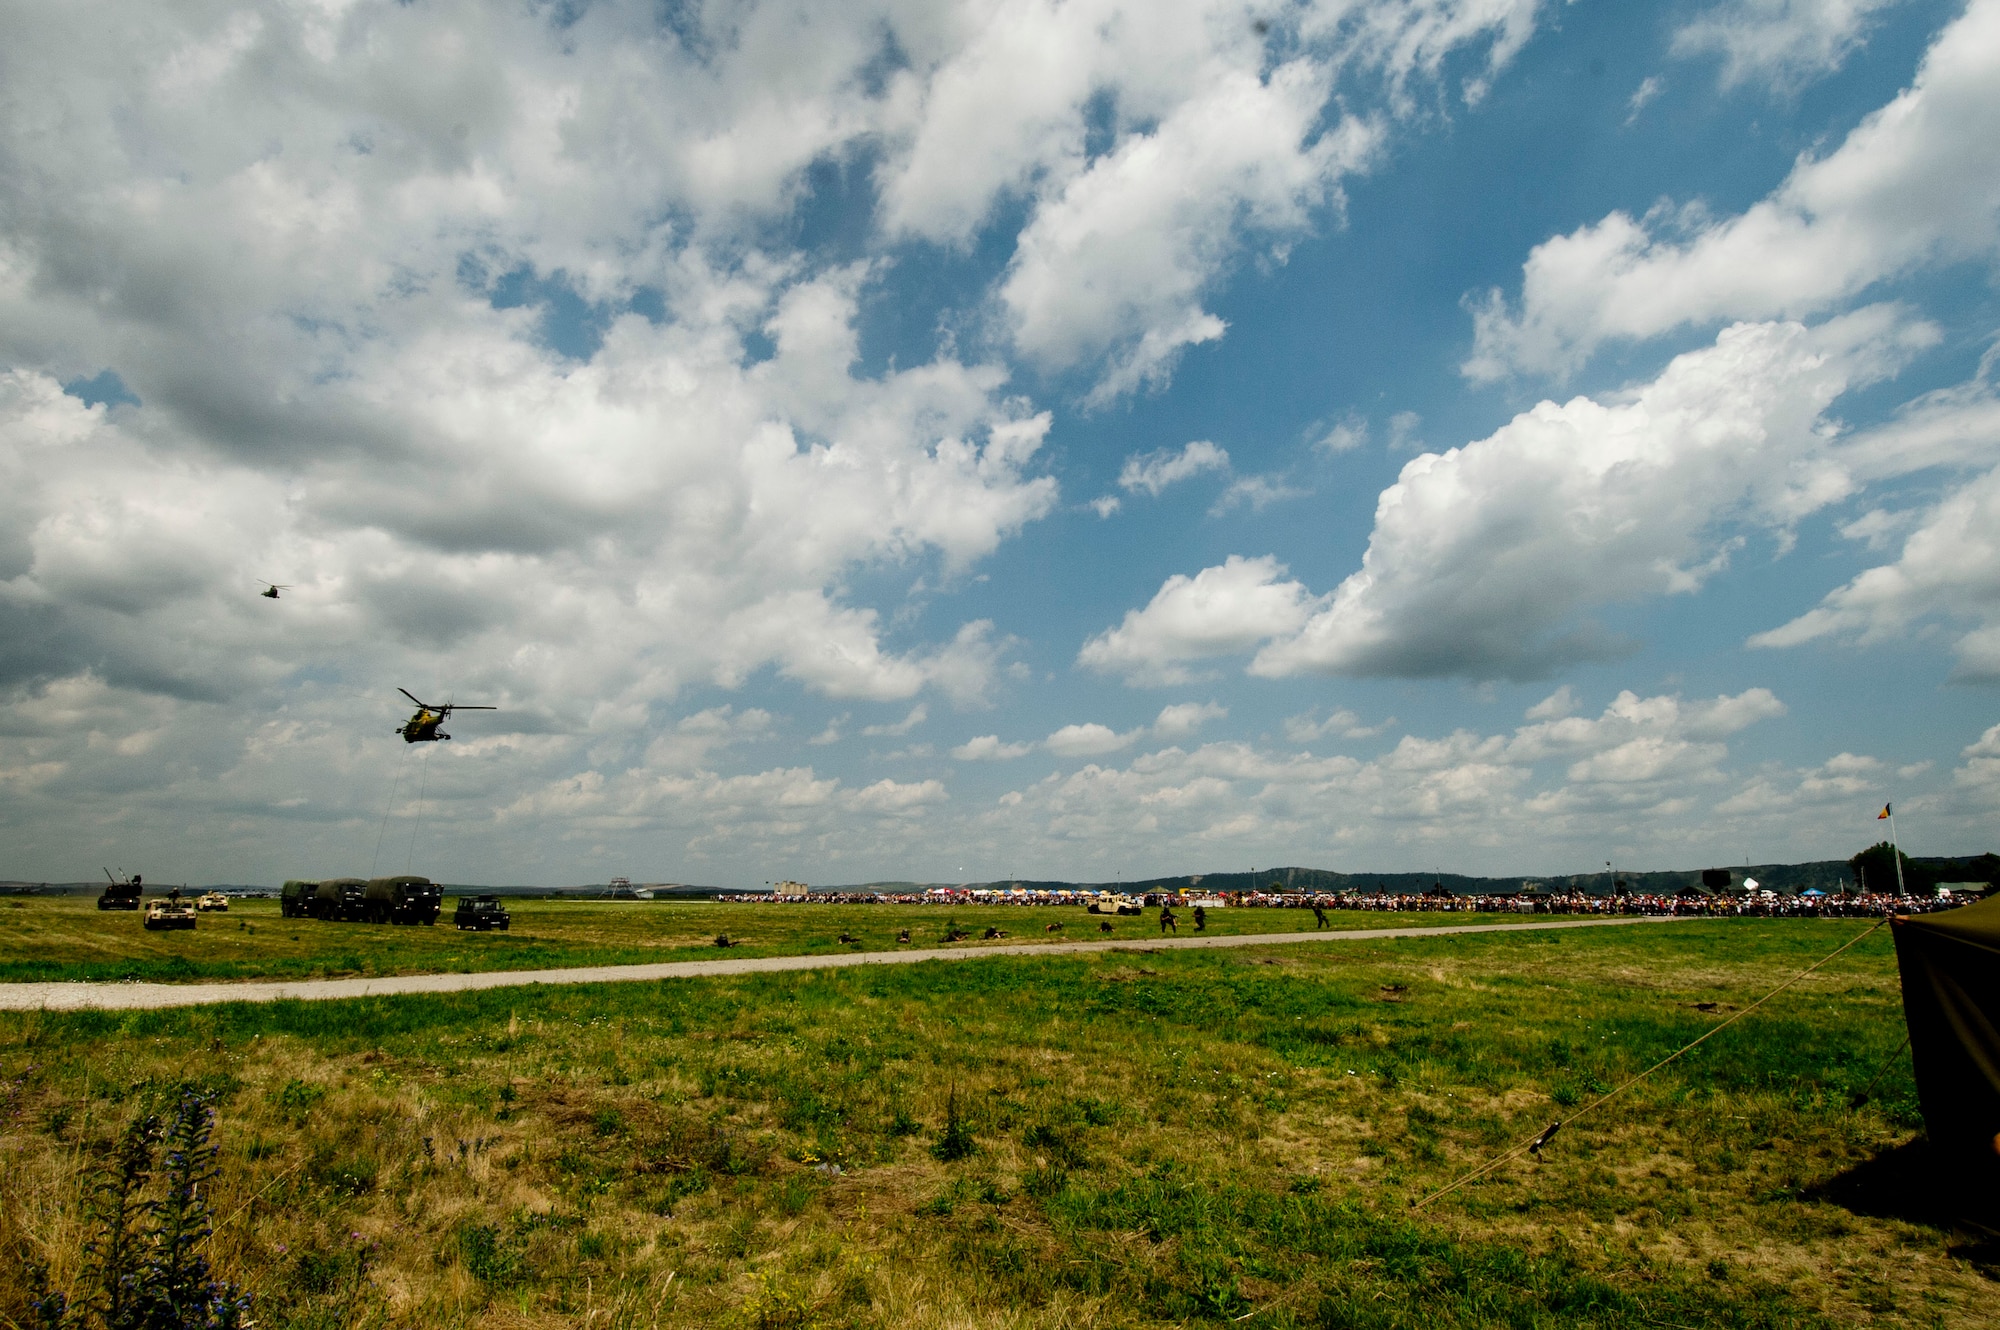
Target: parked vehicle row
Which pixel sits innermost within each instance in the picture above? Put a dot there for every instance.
(405, 899)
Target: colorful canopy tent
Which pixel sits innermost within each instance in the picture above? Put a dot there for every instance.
(1950, 964)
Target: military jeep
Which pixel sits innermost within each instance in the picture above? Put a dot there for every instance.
(480, 913)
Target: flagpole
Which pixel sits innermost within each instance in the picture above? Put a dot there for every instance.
(1895, 849)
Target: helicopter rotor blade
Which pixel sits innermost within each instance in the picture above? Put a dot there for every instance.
(413, 697)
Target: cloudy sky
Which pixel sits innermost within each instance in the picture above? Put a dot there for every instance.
(949, 439)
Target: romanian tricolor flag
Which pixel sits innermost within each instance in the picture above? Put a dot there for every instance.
(1884, 813)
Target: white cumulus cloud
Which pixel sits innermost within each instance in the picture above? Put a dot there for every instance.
(1219, 611)
(918, 715)
(1916, 183)
(988, 748)
(1133, 241)
(1786, 43)
(1153, 472)
(1949, 569)
(1218, 136)
(1647, 767)
(1088, 740)
(1257, 493)
(1341, 723)
(1482, 557)
(1184, 718)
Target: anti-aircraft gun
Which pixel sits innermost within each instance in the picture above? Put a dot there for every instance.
(121, 894)
(406, 899)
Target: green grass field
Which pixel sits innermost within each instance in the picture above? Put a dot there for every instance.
(59, 939)
(1128, 1139)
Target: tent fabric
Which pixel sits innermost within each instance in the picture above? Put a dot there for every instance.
(1950, 965)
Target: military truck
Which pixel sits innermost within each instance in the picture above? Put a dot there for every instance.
(295, 898)
(480, 913)
(339, 898)
(402, 900)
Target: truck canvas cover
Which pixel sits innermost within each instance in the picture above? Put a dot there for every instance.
(1950, 965)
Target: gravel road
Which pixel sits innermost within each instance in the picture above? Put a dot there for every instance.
(136, 996)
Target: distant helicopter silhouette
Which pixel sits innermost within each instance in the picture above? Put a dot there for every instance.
(423, 727)
(271, 590)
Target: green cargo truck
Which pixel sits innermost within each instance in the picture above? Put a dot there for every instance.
(406, 899)
(295, 898)
(339, 898)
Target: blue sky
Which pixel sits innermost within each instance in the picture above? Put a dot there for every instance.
(969, 440)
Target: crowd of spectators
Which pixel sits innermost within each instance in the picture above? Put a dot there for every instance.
(1762, 904)
(1718, 905)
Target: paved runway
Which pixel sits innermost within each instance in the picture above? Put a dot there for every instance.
(136, 996)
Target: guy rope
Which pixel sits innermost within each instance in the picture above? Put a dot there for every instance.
(1547, 1133)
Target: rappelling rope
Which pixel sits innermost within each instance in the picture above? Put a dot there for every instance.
(1543, 1137)
(386, 810)
(423, 787)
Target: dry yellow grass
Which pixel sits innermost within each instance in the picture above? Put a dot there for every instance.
(1170, 1139)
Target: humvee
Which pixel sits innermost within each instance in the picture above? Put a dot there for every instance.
(169, 914)
(211, 900)
(480, 913)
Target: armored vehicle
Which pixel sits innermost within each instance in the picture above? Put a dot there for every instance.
(339, 898)
(169, 914)
(295, 898)
(212, 900)
(402, 900)
(120, 896)
(480, 913)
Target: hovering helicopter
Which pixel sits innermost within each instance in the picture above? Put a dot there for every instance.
(271, 590)
(423, 727)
